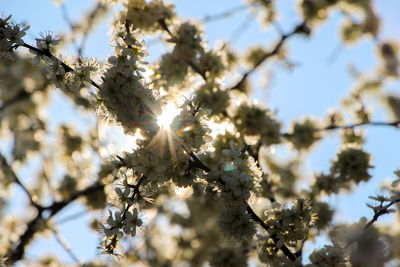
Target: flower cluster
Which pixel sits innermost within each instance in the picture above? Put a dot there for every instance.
(211, 97)
(236, 177)
(25, 117)
(10, 36)
(211, 64)
(171, 70)
(187, 41)
(292, 224)
(361, 245)
(190, 126)
(46, 42)
(240, 173)
(160, 162)
(123, 93)
(255, 55)
(352, 164)
(81, 77)
(327, 256)
(353, 136)
(228, 256)
(117, 225)
(146, 16)
(234, 222)
(253, 120)
(268, 254)
(303, 134)
(389, 55)
(55, 72)
(127, 220)
(353, 30)
(174, 66)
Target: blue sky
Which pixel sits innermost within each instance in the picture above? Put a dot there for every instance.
(310, 89)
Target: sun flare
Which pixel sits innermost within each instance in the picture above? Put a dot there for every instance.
(170, 111)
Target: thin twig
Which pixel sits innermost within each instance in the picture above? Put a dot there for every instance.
(381, 212)
(71, 217)
(301, 28)
(241, 29)
(66, 17)
(7, 169)
(224, 14)
(61, 240)
(395, 124)
(90, 19)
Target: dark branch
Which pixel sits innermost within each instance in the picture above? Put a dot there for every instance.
(36, 223)
(301, 28)
(22, 95)
(384, 210)
(63, 243)
(395, 124)
(7, 169)
(224, 14)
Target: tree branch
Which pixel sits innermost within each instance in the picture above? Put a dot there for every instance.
(301, 28)
(8, 169)
(22, 95)
(65, 245)
(395, 124)
(35, 225)
(380, 212)
(225, 14)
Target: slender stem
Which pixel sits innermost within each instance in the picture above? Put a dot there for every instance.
(375, 218)
(381, 212)
(301, 28)
(71, 217)
(61, 240)
(225, 14)
(7, 169)
(241, 29)
(66, 17)
(395, 124)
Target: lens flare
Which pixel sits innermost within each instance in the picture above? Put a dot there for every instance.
(170, 111)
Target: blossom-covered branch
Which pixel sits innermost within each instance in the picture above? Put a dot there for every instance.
(279, 245)
(47, 53)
